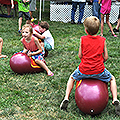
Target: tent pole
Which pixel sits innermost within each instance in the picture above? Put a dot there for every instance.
(43, 5)
(40, 11)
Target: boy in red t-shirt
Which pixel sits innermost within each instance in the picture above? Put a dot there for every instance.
(93, 53)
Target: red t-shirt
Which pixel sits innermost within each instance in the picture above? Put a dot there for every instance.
(92, 54)
(31, 45)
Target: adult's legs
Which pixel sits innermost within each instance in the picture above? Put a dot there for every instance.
(96, 10)
(81, 11)
(74, 7)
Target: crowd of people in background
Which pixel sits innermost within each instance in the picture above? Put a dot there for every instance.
(100, 8)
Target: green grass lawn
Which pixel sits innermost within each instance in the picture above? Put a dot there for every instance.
(38, 96)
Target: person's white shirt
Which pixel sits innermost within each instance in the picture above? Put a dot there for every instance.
(48, 38)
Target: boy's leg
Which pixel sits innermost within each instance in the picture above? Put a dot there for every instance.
(70, 85)
(113, 88)
(20, 23)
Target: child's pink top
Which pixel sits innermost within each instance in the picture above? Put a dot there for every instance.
(106, 7)
(92, 55)
(31, 45)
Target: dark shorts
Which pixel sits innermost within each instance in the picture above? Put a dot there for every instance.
(26, 14)
(104, 76)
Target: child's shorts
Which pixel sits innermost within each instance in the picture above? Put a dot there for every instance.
(26, 14)
(47, 46)
(104, 76)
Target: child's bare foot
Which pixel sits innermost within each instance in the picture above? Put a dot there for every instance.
(3, 56)
(50, 73)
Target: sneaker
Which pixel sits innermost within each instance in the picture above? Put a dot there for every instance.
(72, 22)
(33, 19)
(50, 73)
(79, 23)
(64, 105)
(20, 30)
(117, 107)
(114, 35)
(115, 30)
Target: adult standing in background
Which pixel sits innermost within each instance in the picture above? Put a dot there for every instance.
(32, 8)
(96, 9)
(81, 4)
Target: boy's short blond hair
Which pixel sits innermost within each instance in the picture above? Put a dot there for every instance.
(92, 24)
(44, 24)
(29, 26)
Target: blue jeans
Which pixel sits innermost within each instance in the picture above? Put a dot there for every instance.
(81, 10)
(96, 10)
(104, 76)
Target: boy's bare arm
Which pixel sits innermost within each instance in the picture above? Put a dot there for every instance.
(38, 35)
(80, 51)
(105, 56)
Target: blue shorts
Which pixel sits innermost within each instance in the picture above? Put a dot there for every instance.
(104, 76)
(47, 46)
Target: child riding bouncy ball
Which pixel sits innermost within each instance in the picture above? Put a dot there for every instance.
(93, 53)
